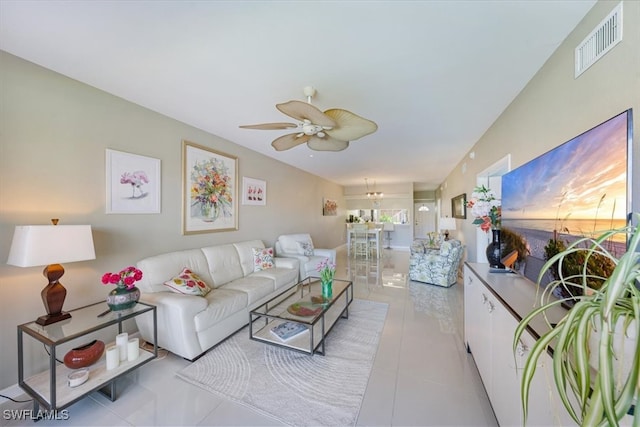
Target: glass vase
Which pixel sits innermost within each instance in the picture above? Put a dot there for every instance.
(327, 288)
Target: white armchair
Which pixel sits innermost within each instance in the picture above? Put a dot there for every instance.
(300, 246)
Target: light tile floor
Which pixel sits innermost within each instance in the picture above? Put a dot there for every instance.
(422, 375)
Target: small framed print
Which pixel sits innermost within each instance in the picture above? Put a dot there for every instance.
(210, 190)
(254, 191)
(329, 207)
(459, 206)
(132, 183)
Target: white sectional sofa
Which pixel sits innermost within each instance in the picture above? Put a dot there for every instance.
(189, 325)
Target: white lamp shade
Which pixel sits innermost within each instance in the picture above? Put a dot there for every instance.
(447, 223)
(35, 245)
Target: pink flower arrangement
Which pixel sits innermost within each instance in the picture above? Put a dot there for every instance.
(125, 278)
(327, 270)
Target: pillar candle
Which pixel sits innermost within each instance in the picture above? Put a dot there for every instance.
(121, 342)
(133, 349)
(113, 357)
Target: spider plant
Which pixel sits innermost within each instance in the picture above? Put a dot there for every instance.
(600, 392)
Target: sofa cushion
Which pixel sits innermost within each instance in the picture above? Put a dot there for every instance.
(222, 304)
(224, 264)
(280, 276)
(188, 283)
(256, 287)
(159, 268)
(245, 254)
(262, 259)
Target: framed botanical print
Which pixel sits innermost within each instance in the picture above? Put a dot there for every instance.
(209, 190)
(329, 207)
(254, 191)
(132, 183)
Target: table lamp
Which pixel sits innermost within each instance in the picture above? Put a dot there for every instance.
(447, 224)
(50, 245)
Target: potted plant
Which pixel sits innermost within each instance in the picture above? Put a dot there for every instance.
(594, 386)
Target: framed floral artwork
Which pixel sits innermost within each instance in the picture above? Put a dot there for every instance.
(329, 207)
(254, 191)
(132, 183)
(209, 190)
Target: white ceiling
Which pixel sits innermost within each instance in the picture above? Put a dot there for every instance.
(434, 75)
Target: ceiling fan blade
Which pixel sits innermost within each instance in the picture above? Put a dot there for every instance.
(350, 126)
(302, 110)
(288, 141)
(270, 126)
(326, 144)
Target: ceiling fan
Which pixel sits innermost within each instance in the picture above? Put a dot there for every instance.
(322, 131)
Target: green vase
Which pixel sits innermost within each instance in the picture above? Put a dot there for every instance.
(122, 298)
(327, 290)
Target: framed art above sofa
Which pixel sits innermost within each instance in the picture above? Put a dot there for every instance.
(209, 190)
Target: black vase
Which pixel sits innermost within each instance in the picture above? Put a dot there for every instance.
(494, 250)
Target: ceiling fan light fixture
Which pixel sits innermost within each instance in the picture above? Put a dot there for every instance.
(331, 130)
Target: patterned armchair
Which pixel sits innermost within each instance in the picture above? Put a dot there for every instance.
(436, 266)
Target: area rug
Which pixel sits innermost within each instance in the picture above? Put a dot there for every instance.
(292, 387)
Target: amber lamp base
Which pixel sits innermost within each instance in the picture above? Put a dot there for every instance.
(53, 296)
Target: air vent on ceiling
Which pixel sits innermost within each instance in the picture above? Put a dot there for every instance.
(600, 41)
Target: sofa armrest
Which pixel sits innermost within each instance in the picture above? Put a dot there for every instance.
(185, 306)
(288, 262)
(329, 253)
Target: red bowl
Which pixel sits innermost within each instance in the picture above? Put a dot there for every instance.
(86, 355)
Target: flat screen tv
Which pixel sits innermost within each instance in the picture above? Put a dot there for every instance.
(577, 189)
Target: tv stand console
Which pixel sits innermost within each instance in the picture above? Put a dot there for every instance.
(494, 304)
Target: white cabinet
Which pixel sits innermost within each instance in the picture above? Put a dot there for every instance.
(491, 318)
(477, 310)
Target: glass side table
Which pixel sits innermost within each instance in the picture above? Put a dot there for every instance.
(50, 388)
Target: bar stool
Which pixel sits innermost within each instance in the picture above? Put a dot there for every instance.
(360, 241)
(388, 227)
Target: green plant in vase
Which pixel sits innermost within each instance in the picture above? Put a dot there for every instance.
(596, 379)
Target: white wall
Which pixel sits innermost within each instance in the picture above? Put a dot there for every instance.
(554, 107)
(53, 136)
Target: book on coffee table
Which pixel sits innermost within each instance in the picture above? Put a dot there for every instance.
(288, 330)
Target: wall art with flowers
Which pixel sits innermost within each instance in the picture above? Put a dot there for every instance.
(133, 183)
(210, 190)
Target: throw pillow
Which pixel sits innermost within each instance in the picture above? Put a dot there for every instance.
(305, 248)
(188, 283)
(262, 258)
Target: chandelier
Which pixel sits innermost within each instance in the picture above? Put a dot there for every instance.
(373, 194)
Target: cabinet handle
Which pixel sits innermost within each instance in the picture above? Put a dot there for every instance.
(522, 348)
(490, 307)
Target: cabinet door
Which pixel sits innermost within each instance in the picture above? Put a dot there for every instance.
(545, 406)
(505, 397)
(478, 325)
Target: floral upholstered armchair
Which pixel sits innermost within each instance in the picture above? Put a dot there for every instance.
(436, 266)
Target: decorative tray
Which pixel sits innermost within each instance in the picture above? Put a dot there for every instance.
(304, 309)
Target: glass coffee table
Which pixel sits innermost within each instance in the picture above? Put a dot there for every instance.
(303, 312)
